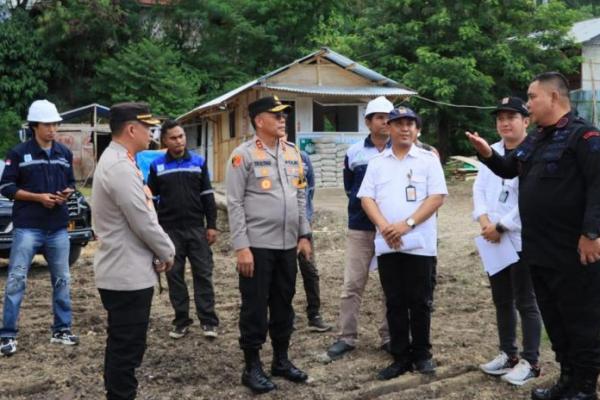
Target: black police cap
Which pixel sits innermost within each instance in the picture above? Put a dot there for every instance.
(123, 112)
(513, 104)
(266, 104)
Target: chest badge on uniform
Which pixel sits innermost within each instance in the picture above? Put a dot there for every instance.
(27, 157)
(160, 167)
(236, 160)
(266, 184)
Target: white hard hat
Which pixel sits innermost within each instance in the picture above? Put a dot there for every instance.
(43, 111)
(379, 105)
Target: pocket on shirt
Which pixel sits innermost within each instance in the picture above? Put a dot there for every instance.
(420, 184)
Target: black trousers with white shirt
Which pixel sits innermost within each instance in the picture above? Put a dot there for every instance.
(407, 284)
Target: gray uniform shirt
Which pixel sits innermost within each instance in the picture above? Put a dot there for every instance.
(126, 224)
(265, 196)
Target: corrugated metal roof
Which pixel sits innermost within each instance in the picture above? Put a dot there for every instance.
(363, 91)
(584, 31)
(336, 58)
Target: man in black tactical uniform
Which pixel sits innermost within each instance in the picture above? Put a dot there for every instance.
(559, 200)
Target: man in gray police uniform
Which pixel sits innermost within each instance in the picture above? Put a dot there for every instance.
(266, 207)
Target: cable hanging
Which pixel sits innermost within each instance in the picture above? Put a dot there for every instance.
(443, 103)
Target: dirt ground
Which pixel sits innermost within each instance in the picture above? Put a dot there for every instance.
(463, 331)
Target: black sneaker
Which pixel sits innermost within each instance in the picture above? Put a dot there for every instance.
(316, 324)
(179, 331)
(426, 366)
(339, 349)
(393, 370)
(64, 337)
(210, 331)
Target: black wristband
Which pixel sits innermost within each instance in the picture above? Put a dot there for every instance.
(500, 228)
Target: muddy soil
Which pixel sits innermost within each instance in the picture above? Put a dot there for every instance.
(463, 331)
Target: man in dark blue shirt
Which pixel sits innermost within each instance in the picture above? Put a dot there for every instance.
(187, 211)
(39, 177)
(308, 267)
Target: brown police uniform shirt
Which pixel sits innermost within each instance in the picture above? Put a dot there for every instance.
(266, 196)
(126, 224)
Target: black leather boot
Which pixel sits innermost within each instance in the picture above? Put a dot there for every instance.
(253, 376)
(283, 367)
(559, 389)
(584, 385)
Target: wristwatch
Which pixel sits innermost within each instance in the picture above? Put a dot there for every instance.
(411, 223)
(591, 235)
(500, 228)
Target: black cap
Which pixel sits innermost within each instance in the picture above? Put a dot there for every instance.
(404, 112)
(270, 104)
(513, 104)
(123, 112)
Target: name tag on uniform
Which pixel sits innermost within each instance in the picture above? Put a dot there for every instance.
(411, 193)
(503, 196)
(160, 167)
(27, 158)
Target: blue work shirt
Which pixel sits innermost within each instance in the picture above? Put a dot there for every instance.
(29, 167)
(355, 165)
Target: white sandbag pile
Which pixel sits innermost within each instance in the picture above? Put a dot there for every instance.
(329, 157)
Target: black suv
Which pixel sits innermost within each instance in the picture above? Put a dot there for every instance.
(79, 227)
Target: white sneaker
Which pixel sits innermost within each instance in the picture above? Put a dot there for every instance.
(500, 365)
(64, 337)
(8, 346)
(522, 373)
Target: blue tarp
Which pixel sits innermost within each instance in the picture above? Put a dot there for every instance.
(145, 158)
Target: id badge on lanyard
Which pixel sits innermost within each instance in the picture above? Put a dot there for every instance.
(411, 190)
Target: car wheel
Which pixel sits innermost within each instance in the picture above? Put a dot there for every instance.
(74, 253)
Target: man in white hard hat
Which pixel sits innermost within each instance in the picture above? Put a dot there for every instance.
(39, 177)
(360, 247)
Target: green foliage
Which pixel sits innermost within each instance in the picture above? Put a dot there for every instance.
(232, 42)
(150, 72)
(9, 125)
(77, 36)
(24, 70)
(461, 53)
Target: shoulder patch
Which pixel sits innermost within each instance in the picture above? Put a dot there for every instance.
(236, 160)
(591, 134)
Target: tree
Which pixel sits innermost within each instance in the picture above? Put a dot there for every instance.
(232, 42)
(24, 70)
(150, 72)
(78, 35)
(462, 53)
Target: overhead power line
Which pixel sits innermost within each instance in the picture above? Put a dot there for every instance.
(443, 103)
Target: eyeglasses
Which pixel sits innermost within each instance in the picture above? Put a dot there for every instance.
(279, 115)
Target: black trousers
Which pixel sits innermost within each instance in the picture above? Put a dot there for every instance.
(512, 292)
(310, 279)
(267, 298)
(569, 300)
(191, 243)
(407, 284)
(128, 317)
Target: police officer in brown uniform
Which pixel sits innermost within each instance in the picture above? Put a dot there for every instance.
(266, 207)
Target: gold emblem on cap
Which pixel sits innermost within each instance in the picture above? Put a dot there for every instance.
(402, 110)
(505, 100)
(276, 98)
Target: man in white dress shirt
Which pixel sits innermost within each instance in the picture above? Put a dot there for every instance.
(401, 192)
(496, 209)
